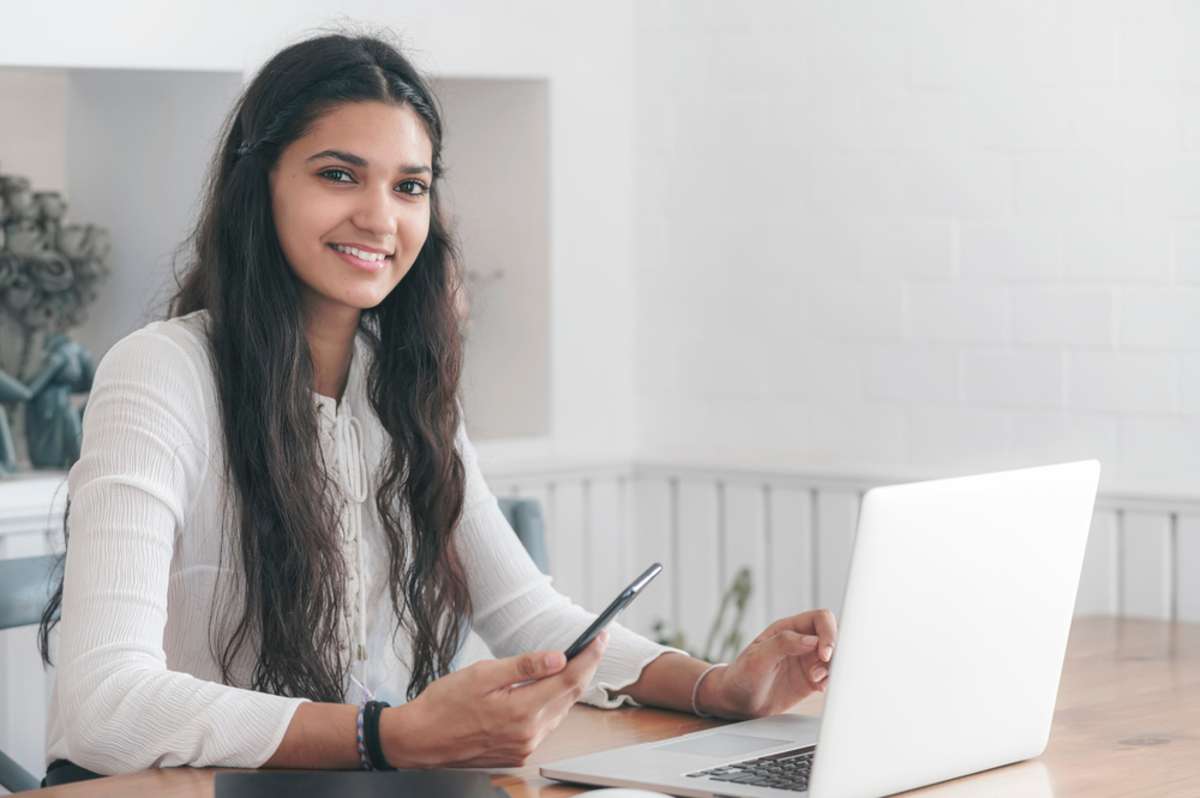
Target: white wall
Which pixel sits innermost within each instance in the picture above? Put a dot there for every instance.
(496, 196)
(33, 135)
(920, 237)
(585, 54)
(917, 237)
(858, 236)
(138, 146)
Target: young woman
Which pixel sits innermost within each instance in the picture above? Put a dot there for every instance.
(277, 514)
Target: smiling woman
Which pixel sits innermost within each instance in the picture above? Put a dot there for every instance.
(371, 210)
(277, 517)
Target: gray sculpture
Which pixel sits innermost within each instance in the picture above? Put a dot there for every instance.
(11, 390)
(49, 275)
(53, 427)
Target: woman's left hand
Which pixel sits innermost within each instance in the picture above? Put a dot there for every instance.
(779, 668)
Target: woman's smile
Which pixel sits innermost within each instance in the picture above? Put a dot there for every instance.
(373, 262)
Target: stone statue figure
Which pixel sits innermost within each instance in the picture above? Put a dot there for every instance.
(11, 390)
(53, 427)
(50, 275)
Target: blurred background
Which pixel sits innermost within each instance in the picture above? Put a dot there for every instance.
(730, 265)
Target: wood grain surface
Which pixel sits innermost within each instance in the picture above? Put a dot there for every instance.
(1127, 723)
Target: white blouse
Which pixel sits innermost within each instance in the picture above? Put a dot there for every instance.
(136, 683)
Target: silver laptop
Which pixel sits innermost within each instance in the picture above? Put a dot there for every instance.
(950, 649)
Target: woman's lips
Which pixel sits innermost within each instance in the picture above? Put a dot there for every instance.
(365, 265)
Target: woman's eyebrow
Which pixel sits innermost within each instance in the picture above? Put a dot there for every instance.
(356, 160)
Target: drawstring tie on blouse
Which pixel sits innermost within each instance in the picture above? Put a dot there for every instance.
(348, 431)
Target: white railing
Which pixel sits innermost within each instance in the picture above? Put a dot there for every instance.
(604, 522)
(795, 532)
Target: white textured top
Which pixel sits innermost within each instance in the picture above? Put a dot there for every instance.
(136, 682)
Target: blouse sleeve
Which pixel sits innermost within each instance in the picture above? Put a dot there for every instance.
(514, 607)
(143, 457)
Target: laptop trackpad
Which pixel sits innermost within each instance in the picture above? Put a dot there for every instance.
(723, 744)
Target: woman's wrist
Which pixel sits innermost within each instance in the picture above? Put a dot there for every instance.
(400, 730)
(710, 695)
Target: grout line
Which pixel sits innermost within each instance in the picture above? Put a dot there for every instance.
(722, 522)
(676, 587)
(768, 550)
(588, 560)
(1120, 546)
(815, 544)
(552, 506)
(1173, 544)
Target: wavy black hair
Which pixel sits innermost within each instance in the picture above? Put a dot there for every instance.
(287, 519)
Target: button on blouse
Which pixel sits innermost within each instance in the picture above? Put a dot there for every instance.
(345, 459)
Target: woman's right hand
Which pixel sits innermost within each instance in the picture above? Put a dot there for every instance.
(493, 713)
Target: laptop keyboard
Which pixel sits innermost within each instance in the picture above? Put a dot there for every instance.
(786, 770)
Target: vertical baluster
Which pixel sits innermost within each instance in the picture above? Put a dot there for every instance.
(653, 513)
(606, 536)
(567, 561)
(1146, 567)
(1098, 594)
(699, 550)
(1187, 568)
(837, 522)
(793, 588)
(745, 546)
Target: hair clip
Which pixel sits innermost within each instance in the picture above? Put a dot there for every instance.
(243, 149)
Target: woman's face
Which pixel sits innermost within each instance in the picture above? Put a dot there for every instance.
(359, 179)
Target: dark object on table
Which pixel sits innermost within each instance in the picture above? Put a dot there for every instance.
(356, 784)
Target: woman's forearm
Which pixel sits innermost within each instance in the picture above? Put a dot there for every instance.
(323, 736)
(320, 736)
(668, 681)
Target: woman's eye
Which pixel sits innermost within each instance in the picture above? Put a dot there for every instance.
(328, 172)
(414, 188)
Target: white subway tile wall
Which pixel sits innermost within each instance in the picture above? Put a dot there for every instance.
(976, 223)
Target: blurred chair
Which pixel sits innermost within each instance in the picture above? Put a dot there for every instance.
(525, 517)
(25, 588)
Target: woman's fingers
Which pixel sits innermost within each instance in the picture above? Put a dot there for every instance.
(788, 643)
(814, 622)
(571, 681)
(562, 691)
(527, 667)
(817, 674)
(826, 627)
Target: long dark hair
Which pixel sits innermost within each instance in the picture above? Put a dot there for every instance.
(288, 523)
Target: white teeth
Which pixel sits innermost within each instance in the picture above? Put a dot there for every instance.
(358, 253)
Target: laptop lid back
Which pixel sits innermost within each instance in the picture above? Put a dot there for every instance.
(954, 627)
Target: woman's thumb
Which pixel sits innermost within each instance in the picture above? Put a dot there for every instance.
(534, 665)
(793, 643)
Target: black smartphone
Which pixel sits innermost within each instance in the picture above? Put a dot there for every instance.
(619, 603)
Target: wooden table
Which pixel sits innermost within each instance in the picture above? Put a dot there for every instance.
(1127, 724)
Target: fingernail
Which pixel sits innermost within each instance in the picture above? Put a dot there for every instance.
(827, 654)
(551, 660)
(811, 639)
(819, 674)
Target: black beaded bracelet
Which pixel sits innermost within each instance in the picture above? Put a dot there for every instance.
(371, 734)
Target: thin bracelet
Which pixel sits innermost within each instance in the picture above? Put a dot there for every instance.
(696, 688)
(364, 761)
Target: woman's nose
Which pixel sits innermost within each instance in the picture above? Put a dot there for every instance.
(377, 212)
